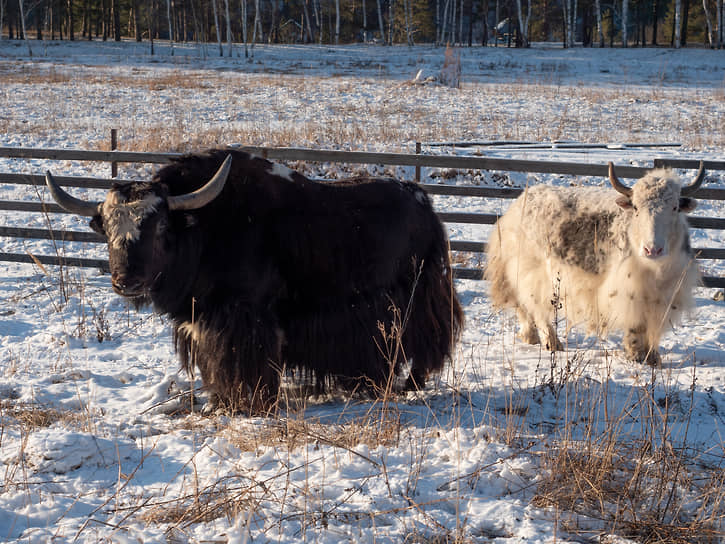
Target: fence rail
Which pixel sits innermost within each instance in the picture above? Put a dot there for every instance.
(311, 155)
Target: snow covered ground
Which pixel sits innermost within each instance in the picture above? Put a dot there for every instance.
(509, 444)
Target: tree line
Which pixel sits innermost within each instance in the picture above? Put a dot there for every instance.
(516, 23)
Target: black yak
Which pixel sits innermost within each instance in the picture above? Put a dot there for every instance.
(261, 269)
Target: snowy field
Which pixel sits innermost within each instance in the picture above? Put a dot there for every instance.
(99, 443)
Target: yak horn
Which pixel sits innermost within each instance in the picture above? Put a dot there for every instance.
(695, 185)
(202, 196)
(618, 185)
(68, 202)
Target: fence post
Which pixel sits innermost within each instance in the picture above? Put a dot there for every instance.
(417, 166)
(114, 146)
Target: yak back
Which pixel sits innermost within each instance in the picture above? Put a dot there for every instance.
(583, 227)
(274, 231)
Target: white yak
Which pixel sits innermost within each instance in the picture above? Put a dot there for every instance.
(613, 262)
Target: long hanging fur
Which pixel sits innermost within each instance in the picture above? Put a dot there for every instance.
(341, 282)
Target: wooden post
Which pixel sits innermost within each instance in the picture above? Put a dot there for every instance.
(114, 146)
(417, 166)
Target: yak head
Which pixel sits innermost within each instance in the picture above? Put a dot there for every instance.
(655, 203)
(135, 220)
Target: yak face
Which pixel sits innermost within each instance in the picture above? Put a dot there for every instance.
(655, 206)
(135, 219)
(655, 228)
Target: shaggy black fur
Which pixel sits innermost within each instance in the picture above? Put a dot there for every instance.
(282, 271)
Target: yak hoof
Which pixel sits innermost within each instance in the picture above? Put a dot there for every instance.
(554, 345)
(212, 406)
(650, 356)
(530, 336)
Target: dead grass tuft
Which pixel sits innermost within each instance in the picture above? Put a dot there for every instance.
(34, 416)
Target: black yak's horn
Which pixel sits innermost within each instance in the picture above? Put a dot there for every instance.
(68, 202)
(203, 195)
(618, 185)
(695, 185)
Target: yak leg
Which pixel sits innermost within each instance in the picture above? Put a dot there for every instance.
(527, 332)
(551, 339)
(637, 347)
(534, 329)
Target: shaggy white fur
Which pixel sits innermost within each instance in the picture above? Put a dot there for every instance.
(614, 264)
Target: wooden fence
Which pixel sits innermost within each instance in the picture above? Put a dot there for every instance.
(295, 154)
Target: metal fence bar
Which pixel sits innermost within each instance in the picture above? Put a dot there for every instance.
(292, 154)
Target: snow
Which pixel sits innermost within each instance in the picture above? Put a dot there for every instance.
(97, 438)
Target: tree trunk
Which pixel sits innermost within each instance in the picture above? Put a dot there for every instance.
(625, 16)
(720, 18)
(390, 22)
(337, 22)
(676, 22)
(484, 22)
(2, 17)
(216, 28)
(708, 22)
(655, 18)
(171, 28)
(22, 26)
(308, 22)
(524, 22)
(243, 8)
(408, 22)
(256, 22)
(380, 23)
(600, 30)
(229, 28)
(365, 22)
(116, 20)
(685, 20)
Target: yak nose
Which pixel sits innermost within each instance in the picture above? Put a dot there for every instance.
(124, 285)
(652, 252)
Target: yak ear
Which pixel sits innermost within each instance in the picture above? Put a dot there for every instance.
(687, 204)
(624, 202)
(190, 220)
(97, 225)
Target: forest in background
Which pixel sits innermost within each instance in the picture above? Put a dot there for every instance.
(512, 23)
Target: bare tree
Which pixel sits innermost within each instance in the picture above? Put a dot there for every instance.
(709, 24)
(676, 33)
(308, 22)
(444, 26)
(365, 22)
(216, 28)
(256, 22)
(22, 26)
(243, 9)
(524, 22)
(408, 22)
(2, 17)
(337, 22)
(380, 22)
(171, 29)
(600, 30)
(569, 18)
(229, 28)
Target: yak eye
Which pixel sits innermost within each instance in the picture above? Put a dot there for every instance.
(634, 208)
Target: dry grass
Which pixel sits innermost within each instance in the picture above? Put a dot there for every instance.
(290, 110)
(31, 416)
